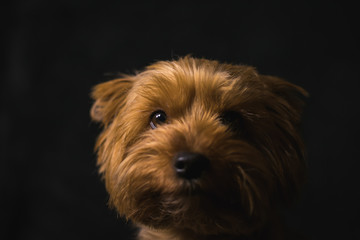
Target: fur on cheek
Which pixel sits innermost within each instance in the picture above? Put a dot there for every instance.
(144, 187)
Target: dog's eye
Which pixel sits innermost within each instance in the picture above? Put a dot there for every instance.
(232, 119)
(157, 118)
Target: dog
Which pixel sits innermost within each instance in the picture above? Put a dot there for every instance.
(197, 149)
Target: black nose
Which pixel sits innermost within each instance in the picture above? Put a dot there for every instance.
(190, 165)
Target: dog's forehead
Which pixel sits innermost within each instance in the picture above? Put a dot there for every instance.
(178, 85)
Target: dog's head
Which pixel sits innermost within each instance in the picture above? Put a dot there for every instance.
(195, 144)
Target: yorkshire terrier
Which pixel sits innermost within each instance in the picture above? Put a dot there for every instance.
(194, 149)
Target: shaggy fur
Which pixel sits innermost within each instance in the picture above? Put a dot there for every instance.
(243, 122)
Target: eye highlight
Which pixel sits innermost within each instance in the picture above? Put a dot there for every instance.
(157, 118)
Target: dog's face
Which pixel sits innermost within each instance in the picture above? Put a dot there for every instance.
(198, 145)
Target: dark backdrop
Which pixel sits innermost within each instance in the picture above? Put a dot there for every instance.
(55, 51)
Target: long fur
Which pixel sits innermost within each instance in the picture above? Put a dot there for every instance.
(253, 171)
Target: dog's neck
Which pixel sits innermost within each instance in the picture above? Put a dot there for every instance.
(150, 234)
(145, 233)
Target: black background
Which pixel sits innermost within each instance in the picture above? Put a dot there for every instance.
(55, 51)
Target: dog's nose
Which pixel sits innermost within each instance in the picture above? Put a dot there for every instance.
(190, 165)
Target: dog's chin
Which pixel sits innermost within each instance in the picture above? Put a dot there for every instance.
(195, 209)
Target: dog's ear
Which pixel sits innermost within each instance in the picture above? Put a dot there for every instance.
(109, 99)
(285, 105)
(292, 95)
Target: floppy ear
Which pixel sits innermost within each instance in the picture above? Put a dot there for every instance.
(109, 99)
(284, 104)
(292, 95)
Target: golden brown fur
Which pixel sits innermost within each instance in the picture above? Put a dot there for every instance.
(253, 170)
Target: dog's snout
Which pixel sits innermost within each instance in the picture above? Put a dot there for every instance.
(190, 165)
